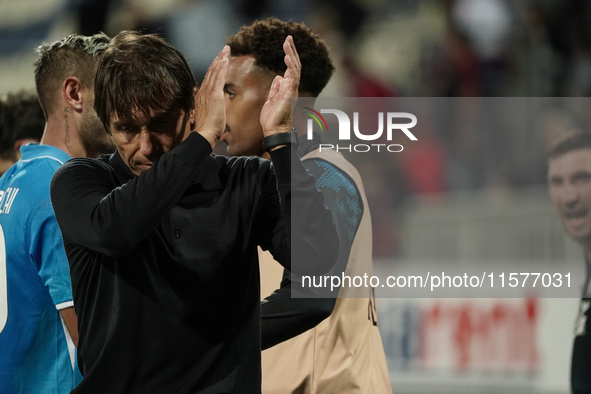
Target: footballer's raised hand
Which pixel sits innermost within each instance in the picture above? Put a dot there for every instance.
(276, 112)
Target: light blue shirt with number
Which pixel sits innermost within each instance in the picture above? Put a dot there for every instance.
(36, 354)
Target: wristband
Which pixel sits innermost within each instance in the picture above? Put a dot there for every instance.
(274, 140)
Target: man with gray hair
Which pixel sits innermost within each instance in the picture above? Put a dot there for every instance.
(38, 329)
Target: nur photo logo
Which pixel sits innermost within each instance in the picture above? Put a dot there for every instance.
(391, 122)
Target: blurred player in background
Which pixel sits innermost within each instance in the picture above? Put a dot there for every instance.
(22, 122)
(344, 353)
(37, 322)
(569, 179)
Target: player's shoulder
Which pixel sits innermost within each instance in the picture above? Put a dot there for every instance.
(334, 158)
(83, 164)
(39, 167)
(33, 172)
(82, 172)
(87, 162)
(25, 191)
(31, 175)
(327, 173)
(42, 157)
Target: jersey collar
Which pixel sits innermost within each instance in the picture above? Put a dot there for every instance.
(37, 151)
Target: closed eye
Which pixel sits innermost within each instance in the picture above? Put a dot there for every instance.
(129, 130)
(581, 177)
(555, 181)
(229, 91)
(163, 124)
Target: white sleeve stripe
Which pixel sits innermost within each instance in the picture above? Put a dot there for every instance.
(64, 305)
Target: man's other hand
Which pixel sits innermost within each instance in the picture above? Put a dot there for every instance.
(276, 113)
(209, 100)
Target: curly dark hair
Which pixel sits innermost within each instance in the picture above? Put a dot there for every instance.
(21, 117)
(74, 55)
(264, 41)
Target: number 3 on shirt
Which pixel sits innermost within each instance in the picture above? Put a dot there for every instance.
(3, 287)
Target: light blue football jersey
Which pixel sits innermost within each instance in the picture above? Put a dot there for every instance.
(36, 354)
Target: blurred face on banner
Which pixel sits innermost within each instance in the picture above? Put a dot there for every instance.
(569, 179)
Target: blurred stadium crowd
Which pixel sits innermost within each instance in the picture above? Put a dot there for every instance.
(384, 47)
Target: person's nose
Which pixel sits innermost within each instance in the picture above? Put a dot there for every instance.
(570, 194)
(147, 145)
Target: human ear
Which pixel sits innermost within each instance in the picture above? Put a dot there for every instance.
(72, 93)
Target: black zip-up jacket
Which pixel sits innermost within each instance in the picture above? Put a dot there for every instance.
(164, 265)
